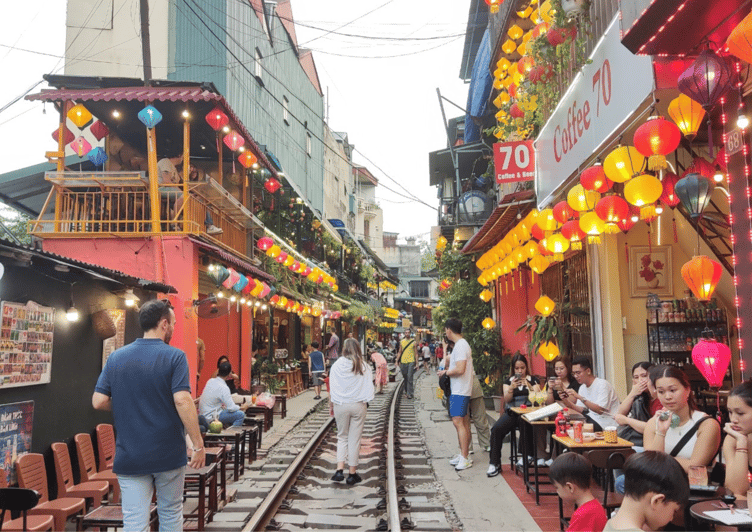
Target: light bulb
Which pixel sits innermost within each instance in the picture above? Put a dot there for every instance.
(258, 304)
(718, 176)
(220, 294)
(242, 301)
(263, 307)
(635, 218)
(72, 313)
(186, 114)
(742, 122)
(233, 299)
(659, 209)
(129, 302)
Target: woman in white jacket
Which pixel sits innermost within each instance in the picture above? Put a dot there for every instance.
(350, 389)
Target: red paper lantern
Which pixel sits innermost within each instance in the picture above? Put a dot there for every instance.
(700, 165)
(272, 185)
(702, 275)
(67, 138)
(306, 272)
(234, 140)
(669, 197)
(217, 119)
(572, 232)
(563, 212)
(540, 29)
(250, 286)
(274, 299)
(516, 112)
(99, 130)
(712, 358)
(264, 243)
(537, 232)
(540, 73)
(655, 139)
(630, 220)
(557, 36)
(282, 257)
(512, 90)
(290, 304)
(247, 159)
(525, 64)
(320, 279)
(612, 210)
(594, 178)
(295, 266)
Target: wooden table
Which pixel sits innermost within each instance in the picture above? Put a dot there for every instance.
(293, 382)
(111, 516)
(267, 413)
(253, 421)
(196, 482)
(217, 455)
(697, 512)
(236, 438)
(527, 437)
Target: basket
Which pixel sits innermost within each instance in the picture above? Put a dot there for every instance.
(103, 324)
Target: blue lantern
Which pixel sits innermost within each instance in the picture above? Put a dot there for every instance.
(97, 156)
(694, 191)
(242, 282)
(218, 274)
(149, 116)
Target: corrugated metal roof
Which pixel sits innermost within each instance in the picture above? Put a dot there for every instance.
(501, 221)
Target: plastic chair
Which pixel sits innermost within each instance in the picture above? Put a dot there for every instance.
(95, 490)
(105, 446)
(32, 474)
(87, 466)
(21, 500)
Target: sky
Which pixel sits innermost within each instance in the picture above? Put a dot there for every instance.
(381, 82)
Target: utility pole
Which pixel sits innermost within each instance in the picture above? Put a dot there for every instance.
(145, 42)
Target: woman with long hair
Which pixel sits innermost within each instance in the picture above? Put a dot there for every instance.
(350, 390)
(563, 380)
(736, 447)
(638, 407)
(679, 428)
(516, 391)
(232, 380)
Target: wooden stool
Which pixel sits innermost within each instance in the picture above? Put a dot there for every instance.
(266, 412)
(219, 456)
(297, 382)
(111, 516)
(282, 400)
(196, 483)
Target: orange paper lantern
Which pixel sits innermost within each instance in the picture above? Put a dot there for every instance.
(702, 275)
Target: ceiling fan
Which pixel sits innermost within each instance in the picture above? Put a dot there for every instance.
(211, 307)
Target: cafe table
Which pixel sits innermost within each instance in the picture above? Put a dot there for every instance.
(237, 439)
(698, 509)
(528, 431)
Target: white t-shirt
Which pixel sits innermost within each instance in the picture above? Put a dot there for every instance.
(602, 393)
(462, 384)
(426, 352)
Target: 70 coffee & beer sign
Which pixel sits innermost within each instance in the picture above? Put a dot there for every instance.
(514, 161)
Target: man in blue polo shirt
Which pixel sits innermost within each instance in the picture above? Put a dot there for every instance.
(146, 386)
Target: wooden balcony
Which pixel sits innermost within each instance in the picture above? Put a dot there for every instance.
(105, 204)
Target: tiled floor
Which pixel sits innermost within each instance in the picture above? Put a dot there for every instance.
(547, 514)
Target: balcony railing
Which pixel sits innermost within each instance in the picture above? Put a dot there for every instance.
(368, 207)
(99, 204)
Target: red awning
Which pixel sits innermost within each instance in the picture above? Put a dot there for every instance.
(502, 219)
(236, 261)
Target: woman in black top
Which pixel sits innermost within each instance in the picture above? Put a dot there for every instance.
(563, 380)
(516, 391)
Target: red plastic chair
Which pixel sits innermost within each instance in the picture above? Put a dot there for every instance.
(21, 500)
(95, 490)
(87, 466)
(32, 474)
(105, 446)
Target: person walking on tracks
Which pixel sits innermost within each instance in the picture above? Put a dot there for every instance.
(350, 390)
(146, 385)
(460, 373)
(408, 362)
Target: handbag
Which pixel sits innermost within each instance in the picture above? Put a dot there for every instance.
(446, 385)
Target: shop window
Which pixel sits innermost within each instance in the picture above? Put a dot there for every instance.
(258, 68)
(308, 142)
(419, 289)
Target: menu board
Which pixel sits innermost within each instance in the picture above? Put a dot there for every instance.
(26, 344)
(16, 422)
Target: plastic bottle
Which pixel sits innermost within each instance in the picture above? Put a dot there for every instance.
(560, 423)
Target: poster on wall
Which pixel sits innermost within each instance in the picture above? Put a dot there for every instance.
(26, 344)
(117, 341)
(16, 422)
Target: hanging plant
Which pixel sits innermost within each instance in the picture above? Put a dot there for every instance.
(552, 328)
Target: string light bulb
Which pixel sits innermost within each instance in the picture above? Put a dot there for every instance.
(718, 176)
(72, 313)
(742, 122)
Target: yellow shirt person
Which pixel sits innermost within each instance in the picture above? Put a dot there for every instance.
(408, 351)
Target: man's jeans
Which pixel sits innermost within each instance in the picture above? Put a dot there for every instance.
(232, 418)
(408, 368)
(136, 494)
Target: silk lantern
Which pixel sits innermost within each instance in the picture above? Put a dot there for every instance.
(531, 249)
(247, 159)
(81, 146)
(486, 295)
(68, 137)
(612, 210)
(572, 231)
(274, 299)
(97, 156)
(712, 358)
(272, 185)
(739, 42)
(592, 226)
(281, 258)
(488, 323)
(515, 32)
(655, 139)
(545, 305)
(79, 115)
(623, 163)
(509, 47)
(149, 116)
(707, 79)
(274, 251)
(594, 178)
(668, 196)
(563, 212)
(687, 114)
(231, 279)
(289, 260)
(582, 200)
(99, 129)
(694, 192)
(643, 191)
(441, 243)
(265, 290)
(250, 286)
(702, 275)
(256, 292)
(218, 274)
(558, 245)
(234, 140)
(630, 220)
(217, 119)
(241, 284)
(264, 243)
(549, 351)
(539, 264)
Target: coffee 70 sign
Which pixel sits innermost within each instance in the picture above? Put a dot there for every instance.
(514, 161)
(578, 118)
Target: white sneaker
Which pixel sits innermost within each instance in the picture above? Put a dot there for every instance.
(542, 462)
(493, 470)
(549, 462)
(464, 463)
(456, 460)
(214, 230)
(471, 451)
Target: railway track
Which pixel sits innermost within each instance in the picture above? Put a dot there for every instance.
(398, 491)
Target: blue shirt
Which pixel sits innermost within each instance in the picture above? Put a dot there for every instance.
(141, 379)
(316, 360)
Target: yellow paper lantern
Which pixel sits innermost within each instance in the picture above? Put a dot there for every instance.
(522, 48)
(547, 11)
(515, 32)
(531, 218)
(488, 323)
(623, 164)
(687, 114)
(535, 16)
(531, 249)
(581, 199)
(486, 295)
(526, 38)
(545, 305)
(643, 191)
(592, 226)
(525, 13)
(539, 264)
(547, 221)
(508, 47)
(257, 290)
(441, 242)
(289, 260)
(79, 115)
(519, 254)
(503, 63)
(274, 251)
(549, 351)
(558, 245)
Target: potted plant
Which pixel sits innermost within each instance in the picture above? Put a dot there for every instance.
(551, 328)
(574, 7)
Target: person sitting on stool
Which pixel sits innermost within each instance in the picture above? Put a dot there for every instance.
(216, 401)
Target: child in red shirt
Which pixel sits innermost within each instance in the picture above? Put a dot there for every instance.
(571, 474)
